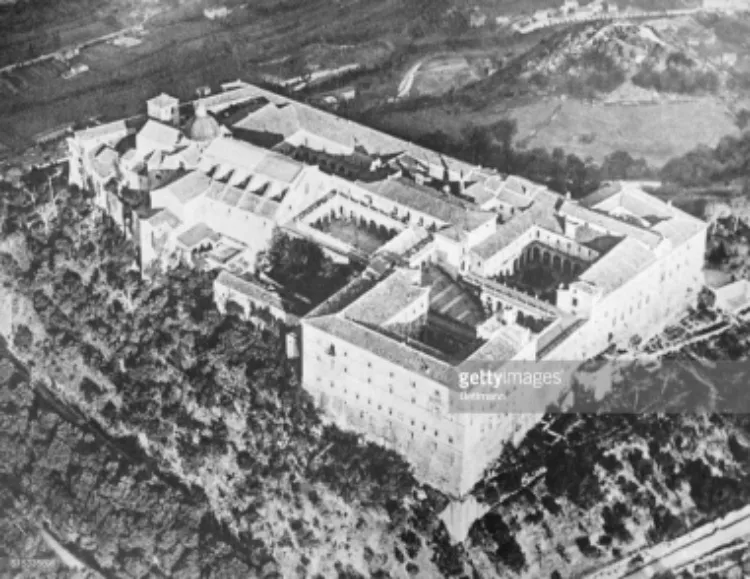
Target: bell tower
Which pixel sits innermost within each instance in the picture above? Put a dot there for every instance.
(164, 108)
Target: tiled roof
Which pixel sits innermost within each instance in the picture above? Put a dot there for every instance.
(428, 201)
(387, 299)
(105, 161)
(611, 224)
(394, 351)
(271, 119)
(539, 215)
(190, 186)
(223, 100)
(293, 115)
(161, 217)
(279, 168)
(250, 289)
(233, 153)
(197, 234)
(502, 348)
(668, 221)
(242, 200)
(622, 263)
(404, 241)
(165, 136)
(594, 239)
(630, 198)
(103, 132)
(679, 229)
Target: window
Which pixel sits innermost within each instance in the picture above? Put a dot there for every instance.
(413, 384)
(574, 301)
(450, 439)
(413, 400)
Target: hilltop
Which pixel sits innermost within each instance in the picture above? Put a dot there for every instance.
(653, 88)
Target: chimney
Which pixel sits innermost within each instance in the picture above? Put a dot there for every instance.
(461, 184)
(567, 195)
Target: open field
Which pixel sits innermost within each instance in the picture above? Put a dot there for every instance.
(441, 74)
(656, 132)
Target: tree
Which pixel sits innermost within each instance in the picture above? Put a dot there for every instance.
(23, 339)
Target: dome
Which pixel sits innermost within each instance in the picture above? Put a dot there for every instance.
(202, 127)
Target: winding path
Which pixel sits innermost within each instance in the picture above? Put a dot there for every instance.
(408, 81)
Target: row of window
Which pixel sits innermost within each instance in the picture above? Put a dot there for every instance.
(398, 415)
(333, 352)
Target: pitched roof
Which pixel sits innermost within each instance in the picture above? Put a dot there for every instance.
(188, 187)
(387, 299)
(621, 264)
(105, 161)
(611, 224)
(391, 349)
(197, 234)
(538, 215)
(271, 119)
(404, 241)
(103, 132)
(292, 116)
(630, 198)
(250, 289)
(233, 153)
(679, 229)
(163, 135)
(243, 200)
(159, 217)
(428, 201)
(279, 168)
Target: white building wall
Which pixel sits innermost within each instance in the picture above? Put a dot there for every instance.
(643, 305)
(481, 233)
(403, 411)
(251, 229)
